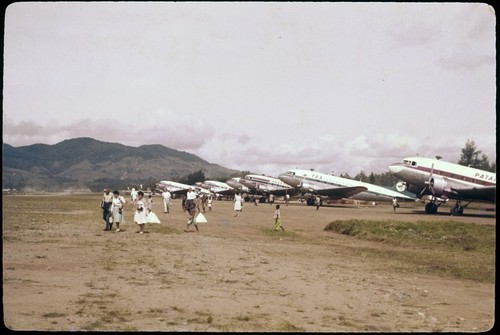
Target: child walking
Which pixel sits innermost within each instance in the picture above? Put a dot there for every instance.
(277, 219)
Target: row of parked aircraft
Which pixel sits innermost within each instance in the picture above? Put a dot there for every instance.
(437, 179)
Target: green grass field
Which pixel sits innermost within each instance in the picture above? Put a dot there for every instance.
(462, 250)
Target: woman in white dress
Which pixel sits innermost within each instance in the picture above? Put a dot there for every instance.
(116, 209)
(140, 216)
(238, 203)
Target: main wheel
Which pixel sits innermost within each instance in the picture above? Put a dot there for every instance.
(431, 208)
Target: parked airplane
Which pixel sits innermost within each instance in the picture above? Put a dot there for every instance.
(261, 184)
(333, 187)
(444, 180)
(216, 187)
(235, 183)
(176, 188)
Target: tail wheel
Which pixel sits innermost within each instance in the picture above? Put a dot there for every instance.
(457, 210)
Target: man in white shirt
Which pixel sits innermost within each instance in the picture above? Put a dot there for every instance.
(166, 200)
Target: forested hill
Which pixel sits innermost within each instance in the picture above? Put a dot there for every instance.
(86, 163)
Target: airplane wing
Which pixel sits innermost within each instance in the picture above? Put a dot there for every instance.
(341, 192)
(478, 193)
(171, 188)
(175, 190)
(222, 191)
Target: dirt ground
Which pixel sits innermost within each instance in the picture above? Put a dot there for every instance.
(61, 271)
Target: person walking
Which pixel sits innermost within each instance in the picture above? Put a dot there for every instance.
(149, 204)
(238, 200)
(140, 216)
(133, 195)
(200, 203)
(191, 209)
(117, 210)
(166, 200)
(204, 200)
(277, 219)
(271, 198)
(183, 202)
(209, 202)
(190, 203)
(106, 202)
(394, 204)
(317, 202)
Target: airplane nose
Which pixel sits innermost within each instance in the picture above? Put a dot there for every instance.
(395, 169)
(245, 182)
(287, 179)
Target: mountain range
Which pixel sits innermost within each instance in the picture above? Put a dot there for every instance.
(86, 163)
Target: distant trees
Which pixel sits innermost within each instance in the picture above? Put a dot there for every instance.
(193, 178)
(473, 157)
(382, 179)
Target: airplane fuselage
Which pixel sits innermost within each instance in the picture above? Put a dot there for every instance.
(175, 187)
(216, 187)
(236, 185)
(265, 184)
(313, 182)
(447, 178)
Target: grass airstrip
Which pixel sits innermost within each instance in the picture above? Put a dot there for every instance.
(63, 272)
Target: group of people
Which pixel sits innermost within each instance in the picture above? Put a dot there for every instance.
(112, 205)
(112, 208)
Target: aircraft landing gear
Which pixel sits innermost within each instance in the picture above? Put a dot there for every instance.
(431, 208)
(457, 210)
(310, 202)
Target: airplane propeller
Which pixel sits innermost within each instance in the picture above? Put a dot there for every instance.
(429, 183)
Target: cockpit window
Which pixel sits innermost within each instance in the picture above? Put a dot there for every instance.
(409, 162)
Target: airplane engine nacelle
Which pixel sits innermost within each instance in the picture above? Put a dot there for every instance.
(305, 187)
(440, 185)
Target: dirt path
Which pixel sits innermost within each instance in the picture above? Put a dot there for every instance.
(62, 272)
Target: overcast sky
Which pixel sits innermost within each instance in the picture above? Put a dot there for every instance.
(264, 87)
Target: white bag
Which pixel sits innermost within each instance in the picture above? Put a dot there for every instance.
(153, 218)
(200, 218)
